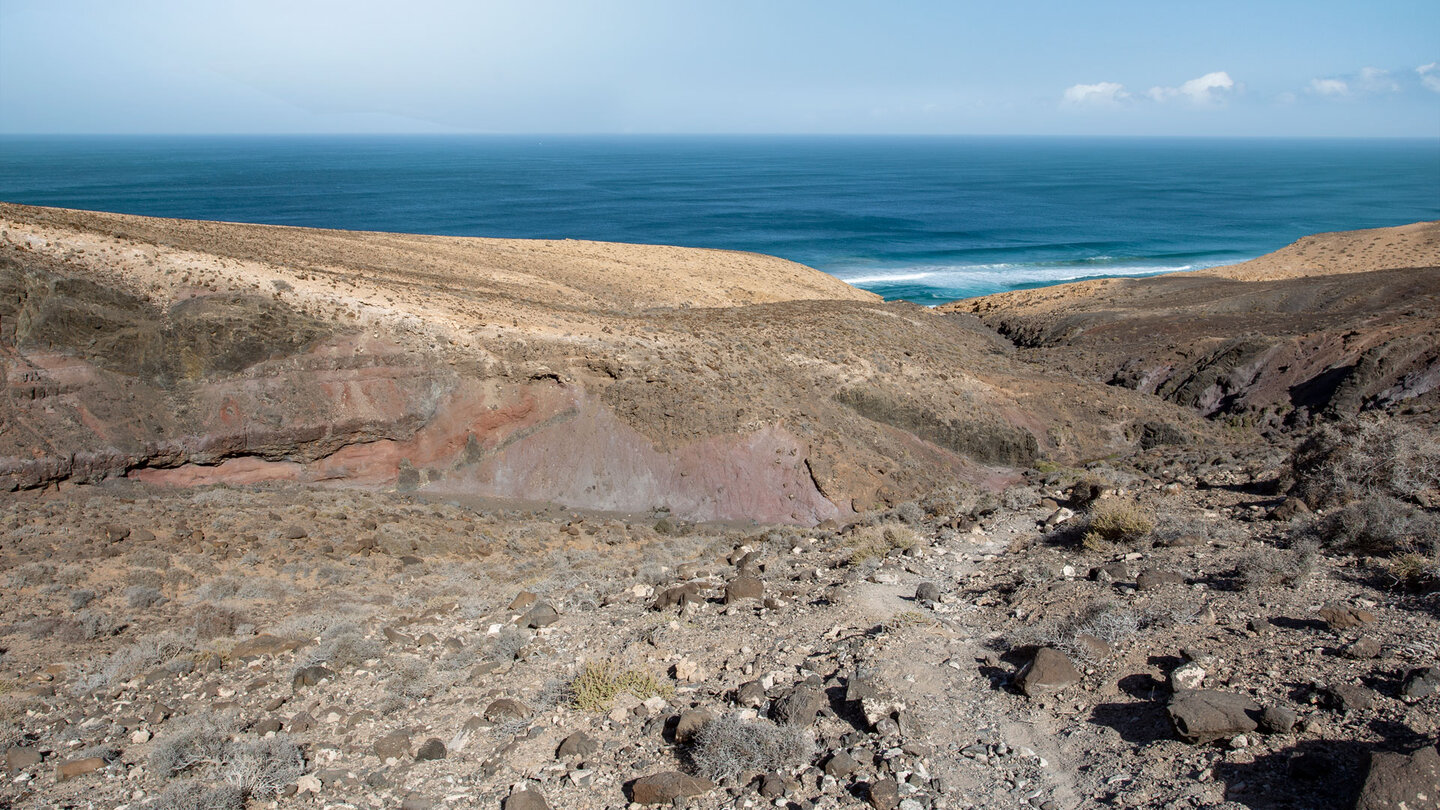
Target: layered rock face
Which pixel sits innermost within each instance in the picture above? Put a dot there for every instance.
(719, 385)
(1330, 326)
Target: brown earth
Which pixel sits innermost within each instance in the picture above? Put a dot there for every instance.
(718, 385)
(331, 609)
(1332, 325)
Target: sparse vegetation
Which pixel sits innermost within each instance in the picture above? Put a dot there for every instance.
(1367, 458)
(1379, 526)
(729, 746)
(204, 747)
(1113, 521)
(597, 685)
(1290, 567)
(875, 542)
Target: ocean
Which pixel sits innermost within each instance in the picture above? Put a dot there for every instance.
(926, 219)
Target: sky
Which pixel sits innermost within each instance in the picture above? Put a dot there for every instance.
(1207, 67)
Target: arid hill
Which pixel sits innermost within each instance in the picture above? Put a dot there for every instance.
(717, 385)
(1332, 325)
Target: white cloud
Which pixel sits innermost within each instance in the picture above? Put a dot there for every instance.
(1430, 76)
(1330, 87)
(1207, 89)
(1105, 94)
(1375, 80)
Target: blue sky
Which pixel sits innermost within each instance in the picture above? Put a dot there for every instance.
(733, 66)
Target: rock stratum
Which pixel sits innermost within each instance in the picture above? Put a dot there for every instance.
(1330, 326)
(717, 385)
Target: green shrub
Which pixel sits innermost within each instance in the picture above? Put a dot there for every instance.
(599, 683)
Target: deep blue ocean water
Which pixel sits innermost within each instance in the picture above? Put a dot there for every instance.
(922, 218)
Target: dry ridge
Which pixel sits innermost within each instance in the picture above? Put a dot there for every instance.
(1332, 325)
(718, 385)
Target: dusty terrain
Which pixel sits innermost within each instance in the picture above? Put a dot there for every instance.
(305, 519)
(720, 385)
(1329, 326)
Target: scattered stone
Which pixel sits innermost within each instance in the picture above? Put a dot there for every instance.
(1152, 578)
(1420, 683)
(1187, 676)
(395, 745)
(70, 769)
(1341, 616)
(927, 592)
(309, 783)
(431, 749)
(1277, 720)
(578, 744)
(522, 600)
(1290, 509)
(1203, 715)
(294, 533)
(800, 706)
(526, 800)
(543, 614)
(1362, 648)
(312, 676)
(744, 587)
(1048, 671)
(1401, 782)
(667, 786)
(690, 722)
(884, 795)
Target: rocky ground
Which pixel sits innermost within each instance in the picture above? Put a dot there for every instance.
(301, 518)
(384, 650)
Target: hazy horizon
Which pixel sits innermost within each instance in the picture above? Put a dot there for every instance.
(569, 67)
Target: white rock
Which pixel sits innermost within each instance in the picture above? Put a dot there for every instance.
(1187, 676)
(309, 783)
(140, 736)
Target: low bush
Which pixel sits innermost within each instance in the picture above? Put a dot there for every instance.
(192, 795)
(729, 746)
(599, 683)
(1115, 521)
(1378, 526)
(1364, 458)
(1273, 566)
(203, 747)
(144, 596)
(874, 542)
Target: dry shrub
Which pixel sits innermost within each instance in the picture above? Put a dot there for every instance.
(1339, 463)
(1115, 521)
(209, 621)
(729, 746)
(1378, 526)
(1272, 566)
(202, 746)
(872, 542)
(1106, 620)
